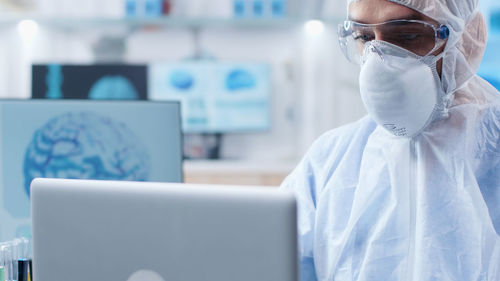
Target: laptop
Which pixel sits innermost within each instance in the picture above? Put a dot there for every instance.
(137, 231)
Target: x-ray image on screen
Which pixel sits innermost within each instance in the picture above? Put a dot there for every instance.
(102, 140)
(98, 81)
(216, 97)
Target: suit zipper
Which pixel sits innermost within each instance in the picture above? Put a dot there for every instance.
(413, 209)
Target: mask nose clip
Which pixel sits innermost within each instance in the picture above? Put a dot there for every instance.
(370, 48)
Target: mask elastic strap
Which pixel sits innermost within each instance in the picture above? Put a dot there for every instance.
(446, 98)
(440, 56)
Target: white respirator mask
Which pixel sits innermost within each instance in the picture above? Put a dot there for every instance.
(401, 91)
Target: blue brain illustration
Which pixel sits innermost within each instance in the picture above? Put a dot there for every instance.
(240, 79)
(182, 80)
(85, 145)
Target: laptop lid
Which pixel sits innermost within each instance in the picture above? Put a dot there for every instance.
(109, 230)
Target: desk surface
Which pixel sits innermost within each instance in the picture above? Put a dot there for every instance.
(224, 166)
(236, 172)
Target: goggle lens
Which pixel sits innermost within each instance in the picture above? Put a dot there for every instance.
(418, 37)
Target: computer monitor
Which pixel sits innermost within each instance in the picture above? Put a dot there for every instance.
(129, 231)
(89, 81)
(109, 140)
(216, 97)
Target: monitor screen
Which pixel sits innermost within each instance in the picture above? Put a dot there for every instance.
(216, 97)
(106, 140)
(490, 65)
(96, 81)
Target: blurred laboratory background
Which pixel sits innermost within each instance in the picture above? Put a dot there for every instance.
(258, 80)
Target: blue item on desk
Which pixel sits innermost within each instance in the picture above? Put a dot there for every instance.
(131, 8)
(258, 8)
(239, 8)
(278, 8)
(153, 8)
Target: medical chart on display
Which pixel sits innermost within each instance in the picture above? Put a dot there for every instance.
(215, 96)
(80, 141)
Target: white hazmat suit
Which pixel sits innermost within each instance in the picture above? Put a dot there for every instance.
(374, 206)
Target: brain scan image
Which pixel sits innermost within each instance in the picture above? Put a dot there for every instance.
(239, 79)
(114, 87)
(182, 80)
(85, 145)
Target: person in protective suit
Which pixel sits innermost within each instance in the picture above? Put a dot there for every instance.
(412, 190)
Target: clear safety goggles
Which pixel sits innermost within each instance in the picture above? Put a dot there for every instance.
(418, 37)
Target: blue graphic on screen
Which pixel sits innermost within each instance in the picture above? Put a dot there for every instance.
(490, 65)
(54, 81)
(495, 82)
(240, 79)
(85, 145)
(181, 80)
(495, 20)
(113, 87)
(215, 96)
